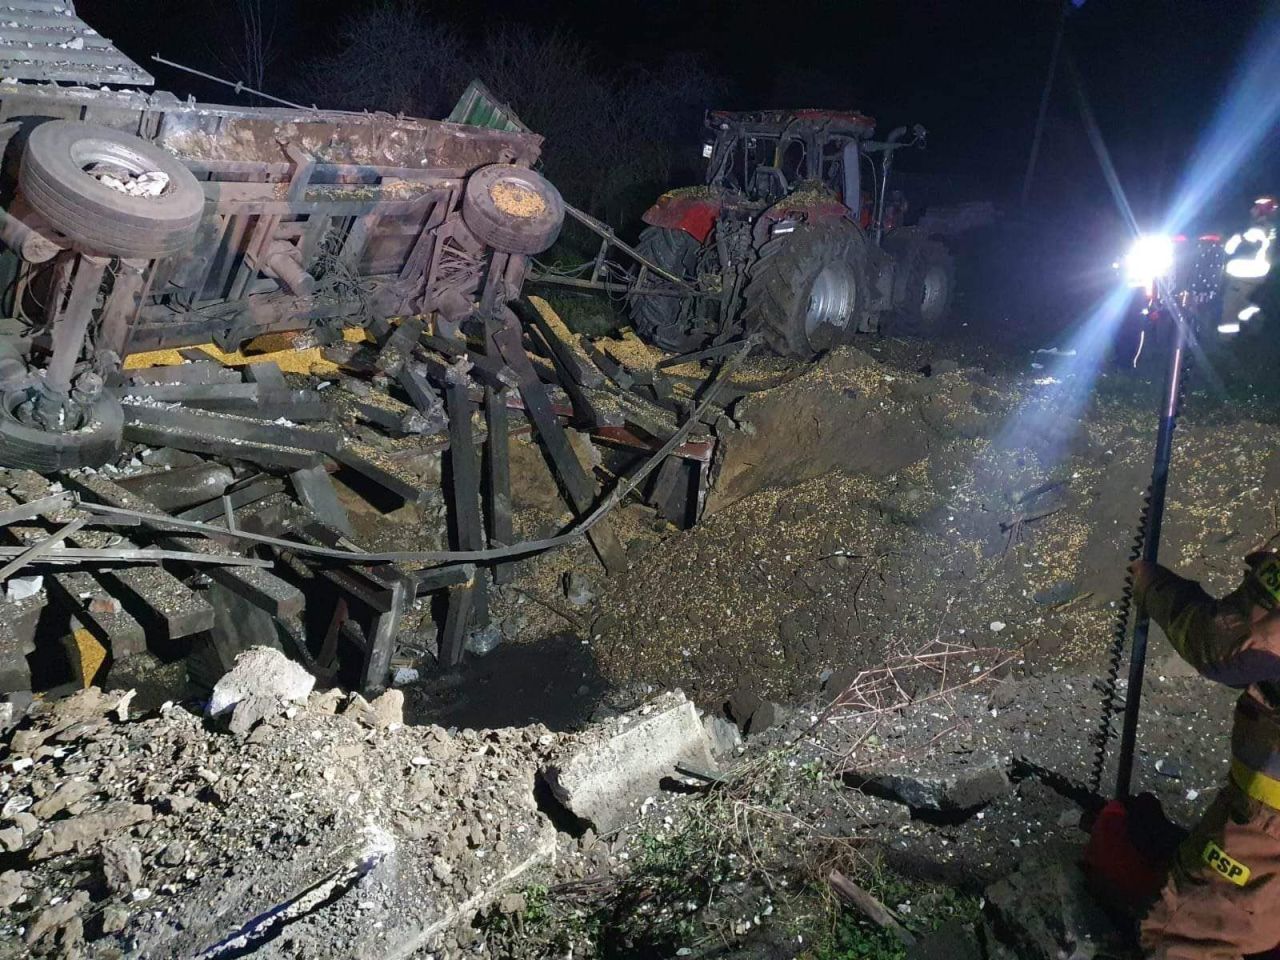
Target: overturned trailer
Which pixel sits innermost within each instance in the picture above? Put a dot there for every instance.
(134, 221)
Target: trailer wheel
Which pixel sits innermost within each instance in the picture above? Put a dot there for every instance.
(664, 321)
(804, 292)
(512, 209)
(925, 292)
(27, 446)
(59, 177)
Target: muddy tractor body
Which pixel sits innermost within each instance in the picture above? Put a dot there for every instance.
(796, 229)
(133, 221)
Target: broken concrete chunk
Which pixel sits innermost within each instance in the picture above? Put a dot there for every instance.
(172, 855)
(11, 839)
(56, 917)
(602, 776)
(325, 701)
(251, 711)
(388, 708)
(73, 791)
(11, 884)
(261, 672)
(939, 788)
(80, 833)
(26, 742)
(577, 588)
(121, 866)
(722, 734)
(114, 918)
(89, 704)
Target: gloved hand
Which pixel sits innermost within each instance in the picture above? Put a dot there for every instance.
(1262, 582)
(1144, 573)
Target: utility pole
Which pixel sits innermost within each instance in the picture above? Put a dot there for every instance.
(1044, 102)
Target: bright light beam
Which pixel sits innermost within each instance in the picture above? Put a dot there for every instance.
(1248, 113)
(1048, 418)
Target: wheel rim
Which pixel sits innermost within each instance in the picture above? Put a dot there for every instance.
(92, 153)
(933, 299)
(830, 298)
(518, 197)
(17, 405)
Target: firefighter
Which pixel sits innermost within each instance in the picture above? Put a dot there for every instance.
(1249, 255)
(1222, 895)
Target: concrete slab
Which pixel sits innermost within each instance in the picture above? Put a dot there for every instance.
(604, 775)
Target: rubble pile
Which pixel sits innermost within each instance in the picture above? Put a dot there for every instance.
(169, 835)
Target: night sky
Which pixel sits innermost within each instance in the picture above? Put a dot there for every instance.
(971, 72)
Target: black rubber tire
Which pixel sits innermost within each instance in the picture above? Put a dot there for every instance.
(94, 217)
(508, 232)
(26, 447)
(782, 281)
(924, 292)
(658, 319)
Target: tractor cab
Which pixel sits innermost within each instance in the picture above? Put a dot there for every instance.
(767, 155)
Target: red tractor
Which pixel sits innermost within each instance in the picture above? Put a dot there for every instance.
(787, 242)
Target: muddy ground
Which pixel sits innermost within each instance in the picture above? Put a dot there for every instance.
(867, 509)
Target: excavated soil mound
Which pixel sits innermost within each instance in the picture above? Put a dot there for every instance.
(862, 511)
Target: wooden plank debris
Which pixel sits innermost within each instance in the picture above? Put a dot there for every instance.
(161, 602)
(80, 594)
(577, 482)
(260, 587)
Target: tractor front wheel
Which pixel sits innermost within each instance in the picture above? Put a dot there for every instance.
(669, 322)
(926, 285)
(805, 290)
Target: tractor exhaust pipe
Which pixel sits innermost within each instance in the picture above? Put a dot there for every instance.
(885, 166)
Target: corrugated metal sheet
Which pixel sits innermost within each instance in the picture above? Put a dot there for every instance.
(45, 40)
(480, 108)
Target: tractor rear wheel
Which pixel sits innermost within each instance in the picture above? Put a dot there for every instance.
(667, 322)
(805, 290)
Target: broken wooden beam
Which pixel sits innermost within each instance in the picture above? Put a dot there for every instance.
(564, 347)
(315, 489)
(365, 460)
(466, 526)
(82, 596)
(440, 578)
(384, 589)
(245, 493)
(453, 638)
(496, 485)
(230, 430)
(383, 411)
(200, 371)
(869, 906)
(577, 482)
(399, 347)
(246, 399)
(152, 595)
(263, 454)
(422, 396)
